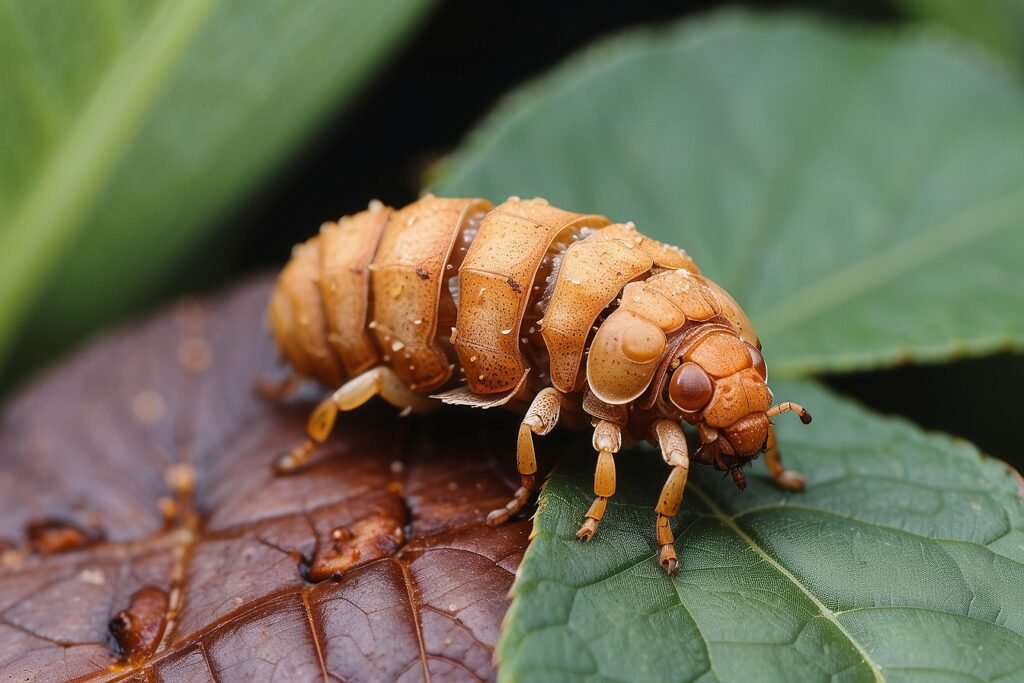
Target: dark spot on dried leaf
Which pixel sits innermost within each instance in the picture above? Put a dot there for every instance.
(138, 628)
(49, 536)
(344, 547)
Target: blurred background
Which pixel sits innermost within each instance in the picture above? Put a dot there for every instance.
(315, 109)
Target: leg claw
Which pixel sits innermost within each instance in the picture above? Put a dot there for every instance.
(587, 530)
(497, 517)
(285, 464)
(668, 560)
(792, 481)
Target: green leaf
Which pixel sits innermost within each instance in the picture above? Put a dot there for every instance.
(861, 195)
(130, 127)
(903, 560)
(996, 24)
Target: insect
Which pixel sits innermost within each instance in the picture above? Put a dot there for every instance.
(559, 315)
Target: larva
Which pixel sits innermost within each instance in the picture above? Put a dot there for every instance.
(551, 313)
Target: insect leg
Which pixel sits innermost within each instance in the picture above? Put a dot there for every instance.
(787, 479)
(672, 443)
(276, 390)
(607, 442)
(540, 419)
(379, 381)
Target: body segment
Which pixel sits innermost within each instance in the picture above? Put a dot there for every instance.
(496, 283)
(561, 315)
(408, 277)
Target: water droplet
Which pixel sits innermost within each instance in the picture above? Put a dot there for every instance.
(92, 575)
(181, 477)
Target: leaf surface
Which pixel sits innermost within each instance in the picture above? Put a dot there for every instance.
(861, 196)
(245, 563)
(903, 560)
(129, 128)
(996, 24)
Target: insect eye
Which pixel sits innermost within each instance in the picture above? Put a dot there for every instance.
(757, 361)
(691, 388)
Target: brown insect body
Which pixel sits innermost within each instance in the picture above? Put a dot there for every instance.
(545, 311)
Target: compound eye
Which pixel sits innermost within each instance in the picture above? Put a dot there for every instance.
(691, 388)
(757, 361)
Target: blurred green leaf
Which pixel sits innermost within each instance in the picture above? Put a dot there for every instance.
(130, 127)
(902, 561)
(861, 196)
(997, 24)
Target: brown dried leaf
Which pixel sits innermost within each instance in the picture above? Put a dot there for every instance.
(97, 522)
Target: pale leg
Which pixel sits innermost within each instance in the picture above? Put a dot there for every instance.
(541, 418)
(607, 442)
(379, 381)
(276, 390)
(672, 442)
(787, 479)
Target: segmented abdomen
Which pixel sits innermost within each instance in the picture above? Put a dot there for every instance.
(456, 292)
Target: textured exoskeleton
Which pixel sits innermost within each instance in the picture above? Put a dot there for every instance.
(549, 312)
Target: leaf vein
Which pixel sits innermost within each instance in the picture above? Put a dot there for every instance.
(749, 541)
(883, 266)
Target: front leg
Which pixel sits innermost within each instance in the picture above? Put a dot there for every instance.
(607, 442)
(672, 442)
(787, 479)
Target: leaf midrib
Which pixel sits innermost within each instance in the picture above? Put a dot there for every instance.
(824, 611)
(82, 163)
